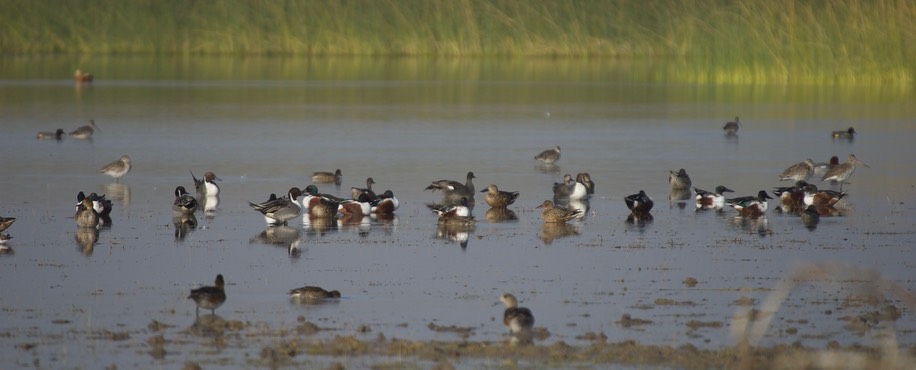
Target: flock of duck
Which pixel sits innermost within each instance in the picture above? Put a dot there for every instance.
(568, 203)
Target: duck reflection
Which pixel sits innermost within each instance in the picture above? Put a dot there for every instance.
(318, 225)
(750, 225)
(810, 218)
(209, 204)
(183, 224)
(639, 220)
(210, 326)
(495, 215)
(555, 230)
(279, 235)
(678, 197)
(119, 192)
(360, 224)
(459, 233)
(548, 168)
(86, 237)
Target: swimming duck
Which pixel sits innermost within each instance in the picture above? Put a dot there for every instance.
(184, 203)
(56, 135)
(639, 202)
(313, 293)
(209, 297)
(844, 134)
(679, 180)
(280, 210)
(517, 319)
(327, 177)
(551, 214)
(499, 199)
(750, 206)
(84, 132)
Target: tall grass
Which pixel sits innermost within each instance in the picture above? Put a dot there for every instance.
(827, 41)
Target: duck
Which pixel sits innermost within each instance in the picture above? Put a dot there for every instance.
(844, 134)
(791, 197)
(821, 198)
(750, 206)
(517, 319)
(569, 189)
(801, 171)
(79, 76)
(712, 199)
(549, 156)
(184, 203)
(552, 214)
(280, 210)
(56, 135)
(454, 189)
(386, 204)
(639, 203)
(206, 186)
(821, 168)
(355, 208)
(585, 178)
(841, 172)
(84, 132)
(86, 216)
(327, 177)
(731, 127)
(499, 199)
(117, 169)
(209, 297)
(679, 180)
(355, 192)
(6, 222)
(313, 293)
(101, 205)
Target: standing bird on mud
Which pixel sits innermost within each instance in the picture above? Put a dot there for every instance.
(841, 172)
(209, 297)
(117, 168)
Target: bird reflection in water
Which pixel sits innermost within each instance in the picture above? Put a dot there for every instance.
(360, 224)
(751, 225)
(184, 224)
(678, 197)
(86, 237)
(318, 225)
(209, 326)
(555, 230)
(458, 233)
(495, 215)
(280, 235)
(118, 192)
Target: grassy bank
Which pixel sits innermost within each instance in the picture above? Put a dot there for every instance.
(855, 41)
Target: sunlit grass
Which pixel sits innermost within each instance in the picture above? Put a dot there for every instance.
(744, 41)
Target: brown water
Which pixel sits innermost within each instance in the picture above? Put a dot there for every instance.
(263, 125)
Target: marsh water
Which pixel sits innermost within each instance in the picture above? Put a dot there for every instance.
(72, 298)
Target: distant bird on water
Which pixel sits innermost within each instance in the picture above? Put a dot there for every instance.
(639, 202)
(549, 156)
(732, 127)
(117, 168)
(517, 319)
(553, 214)
(679, 180)
(801, 171)
(56, 135)
(79, 76)
(327, 177)
(841, 172)
(844, 134)
(313, 293)
(85, 132)
(209, 297)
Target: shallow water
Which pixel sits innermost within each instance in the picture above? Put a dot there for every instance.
(263, 125)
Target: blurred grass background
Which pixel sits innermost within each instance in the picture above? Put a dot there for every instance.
(709, 41)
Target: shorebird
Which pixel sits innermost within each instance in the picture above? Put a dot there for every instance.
(517, 319)
(549, 156)
(731, 128)
(84, 132)
(841, 172)
(209, 297)
(801, 171)
(117, 168)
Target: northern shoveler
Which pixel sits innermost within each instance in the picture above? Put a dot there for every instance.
(355, 192)
(517, 319)
(386, 204)
(454, 189)
(569, 189)
(639, 202)
(750, 206)
(101, 205)
(210, 297)
(798, 172)
(56, 135)
(821, 168)
(679, 180)
(731, 128)
(459, 210)
(712, 199)
(844, 134)
(79, 76)
(184, 203)
(86, 216)
(356, 208)
(499, 199)
(280, 210)
(841, 172)
(822, 198)
(552, 214)
(318, 205)
(117, 168)
(549, 156)
(327, 177)
(206, 187)
(585, 179)
(313, 293)
(84, 132)
(6, 222)
(791, 197)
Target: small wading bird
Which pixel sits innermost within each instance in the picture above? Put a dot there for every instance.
(209, 297)
(731, 128)
(517, 319)
(798, 172)
(841, 172)
(549, 156)
(117, 168)
(84, 132)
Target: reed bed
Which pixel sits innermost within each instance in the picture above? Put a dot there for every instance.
(712, 41)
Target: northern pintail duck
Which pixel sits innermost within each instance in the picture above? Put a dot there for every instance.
(731, 128)
(585, 179)
(639, 203)
(86, 216)
(750, 206)
(791, 197)
(821, 198)
(679, 180)
(841, 172)
(327, 177)
(355, 192)
(386, 204)
(801, 171)
(280, 210)
(313, 293)
(319, 205)
(549, 156)
(499, 199)
(517, 319)
(210, 297)
(79, 76)
(569, 189)
(206, 186)
(6, 222)
(117, 168)
(355, 208)
(84, 132)
(56, 135)
(454, 189)
(101, 205)
(712, 199)
(552, 214)
(184, 203)
(821, 168)
(844, 134)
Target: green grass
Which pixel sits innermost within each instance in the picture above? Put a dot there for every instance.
(705, 41)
